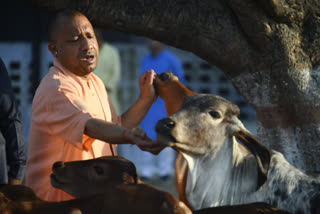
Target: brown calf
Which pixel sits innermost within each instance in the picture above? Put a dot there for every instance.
(20, 199)
(103, 185)
(93, 174)
(116, 180)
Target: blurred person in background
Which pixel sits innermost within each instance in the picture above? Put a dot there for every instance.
(160, 60)
(109, 68)
(12, 147)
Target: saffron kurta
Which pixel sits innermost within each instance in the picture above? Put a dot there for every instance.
(61, 107)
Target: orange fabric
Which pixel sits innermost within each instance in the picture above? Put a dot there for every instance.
(61, 107)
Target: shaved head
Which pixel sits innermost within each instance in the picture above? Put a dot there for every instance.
(55, 21)
(72, 42)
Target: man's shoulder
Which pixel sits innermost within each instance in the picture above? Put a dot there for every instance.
(56, 76)
(53, 81)
(50, 80)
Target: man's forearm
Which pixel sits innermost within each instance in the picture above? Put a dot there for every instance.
(114, 134)
(105, 131)
(134, 115)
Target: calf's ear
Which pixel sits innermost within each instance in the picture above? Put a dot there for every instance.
(260, 152)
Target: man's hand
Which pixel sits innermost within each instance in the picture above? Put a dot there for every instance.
(146, 86)
(138, 136)
(151, 146)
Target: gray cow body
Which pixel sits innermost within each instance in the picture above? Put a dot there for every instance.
(220, 173)
(289, 188)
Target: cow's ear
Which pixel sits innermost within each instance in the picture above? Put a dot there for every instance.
(260, 152)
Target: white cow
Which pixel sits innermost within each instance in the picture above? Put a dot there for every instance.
(204, 130)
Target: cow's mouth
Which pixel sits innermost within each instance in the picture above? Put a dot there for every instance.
(55, 182)
(58, 182)
(169, 140)
(166, 139)
(165, 135)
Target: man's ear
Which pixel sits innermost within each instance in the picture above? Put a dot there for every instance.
(53, 49)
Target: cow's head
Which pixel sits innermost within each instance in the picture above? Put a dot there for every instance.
(80, 178)
(203, 124)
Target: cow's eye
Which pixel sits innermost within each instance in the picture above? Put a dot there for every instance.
(99, 170)
(215, 114)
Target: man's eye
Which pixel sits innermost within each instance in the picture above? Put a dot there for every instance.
(90, 35)
(215, 114)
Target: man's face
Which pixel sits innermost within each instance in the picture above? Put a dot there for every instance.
(76, 45)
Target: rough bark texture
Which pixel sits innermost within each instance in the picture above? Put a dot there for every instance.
(268, 48)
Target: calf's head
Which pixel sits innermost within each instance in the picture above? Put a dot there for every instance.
(203, 124)
(80, 178)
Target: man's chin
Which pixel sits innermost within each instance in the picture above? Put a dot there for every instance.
(87, 70)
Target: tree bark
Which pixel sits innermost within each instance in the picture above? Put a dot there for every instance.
(268, 48)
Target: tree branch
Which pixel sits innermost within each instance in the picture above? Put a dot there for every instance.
(207, 28)
(290, 12)
(244, 38)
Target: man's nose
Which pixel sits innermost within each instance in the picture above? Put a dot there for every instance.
(86, 44)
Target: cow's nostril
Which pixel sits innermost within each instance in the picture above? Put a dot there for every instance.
(58, 164)
(165, 124)
(170, 124)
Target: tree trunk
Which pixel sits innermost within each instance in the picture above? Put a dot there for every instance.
(268, 48)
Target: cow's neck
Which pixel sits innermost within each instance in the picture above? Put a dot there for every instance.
(222, 177)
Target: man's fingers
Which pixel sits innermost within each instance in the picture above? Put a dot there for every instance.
(154, 150)
(148, 76)
(138, 132)
(151, 77)
(151, 146)
(147, 143)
